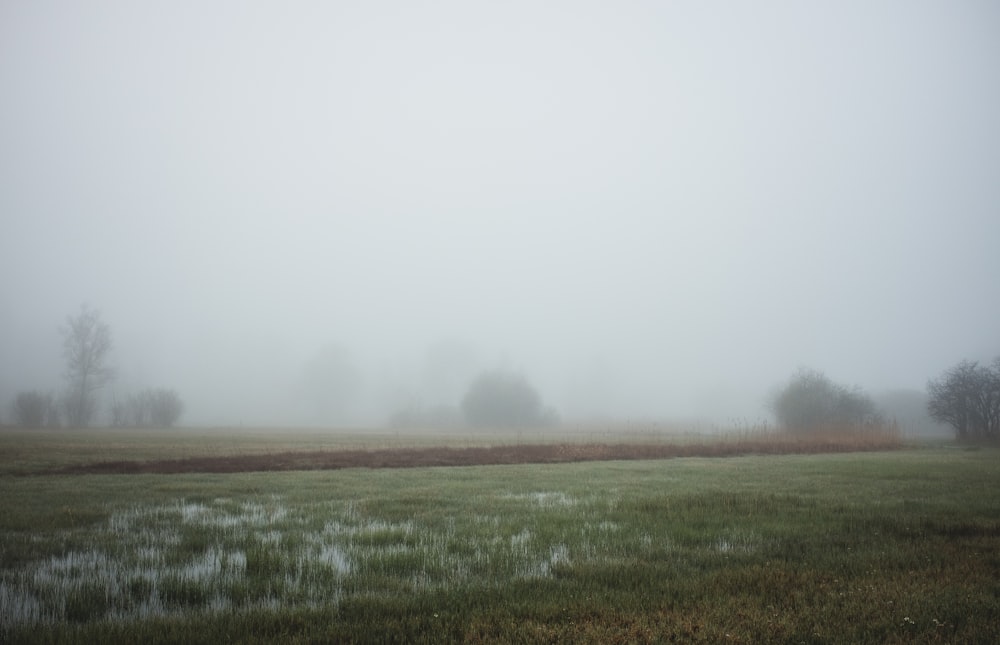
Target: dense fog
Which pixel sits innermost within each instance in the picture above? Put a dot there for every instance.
(313, 213)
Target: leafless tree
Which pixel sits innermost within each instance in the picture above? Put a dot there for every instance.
(86, 346)
(967, 397)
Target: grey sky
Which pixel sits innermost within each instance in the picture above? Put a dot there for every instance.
(653, 209)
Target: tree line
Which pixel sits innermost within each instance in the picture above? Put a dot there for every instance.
(966, 397)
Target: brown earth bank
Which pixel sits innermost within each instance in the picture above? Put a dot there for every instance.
(477, 456)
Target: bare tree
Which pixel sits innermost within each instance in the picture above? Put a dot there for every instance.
(86, 345)
(967, 397)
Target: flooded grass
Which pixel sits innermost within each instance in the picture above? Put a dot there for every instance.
(224, 555)
(890, 547)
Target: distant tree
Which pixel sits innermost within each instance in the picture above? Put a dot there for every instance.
(131, 412)
(504, 399)
(35, 410)
(86, 345)
(967, 397)
(29, 410)
(157, 408)
(812, 402)
(165, 408)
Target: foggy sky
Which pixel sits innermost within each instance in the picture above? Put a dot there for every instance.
(652, 209)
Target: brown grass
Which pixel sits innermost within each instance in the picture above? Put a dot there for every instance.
(413, 457)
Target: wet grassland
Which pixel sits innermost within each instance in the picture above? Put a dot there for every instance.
(897, 546)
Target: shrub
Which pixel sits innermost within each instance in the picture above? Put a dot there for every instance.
(504, 399)
(811, 402)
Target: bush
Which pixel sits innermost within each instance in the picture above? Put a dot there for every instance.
(502, 399)
(811, 402)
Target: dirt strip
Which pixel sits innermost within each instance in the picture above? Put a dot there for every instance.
(471, 456)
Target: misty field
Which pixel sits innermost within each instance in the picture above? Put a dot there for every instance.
(896, 546)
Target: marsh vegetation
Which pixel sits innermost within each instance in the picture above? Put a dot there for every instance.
(862, 547)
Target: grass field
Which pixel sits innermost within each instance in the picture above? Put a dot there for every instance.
(899, 546)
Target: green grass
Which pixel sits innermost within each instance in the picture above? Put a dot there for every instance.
(901, 547)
